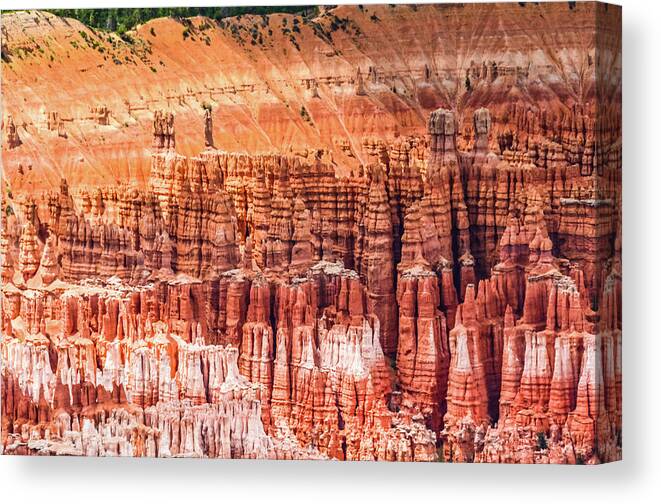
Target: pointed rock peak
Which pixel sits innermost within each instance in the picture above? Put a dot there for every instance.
(467, 259)
(377, 175)
(299, 205)
(29, 257)
(509, 316)
(208, 127)
(64, 187)
(506, 238)
(49, 260)
(459, 317)
(469, 305)
(536, 243)
(246, 259)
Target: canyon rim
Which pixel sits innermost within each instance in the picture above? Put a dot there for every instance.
(360, 232)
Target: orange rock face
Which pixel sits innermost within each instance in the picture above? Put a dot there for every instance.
(353, 243)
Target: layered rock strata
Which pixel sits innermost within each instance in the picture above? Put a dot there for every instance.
(435, 277)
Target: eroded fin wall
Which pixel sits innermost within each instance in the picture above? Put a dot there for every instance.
(439, 282)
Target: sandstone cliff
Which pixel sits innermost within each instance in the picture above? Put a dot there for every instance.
(316, 243)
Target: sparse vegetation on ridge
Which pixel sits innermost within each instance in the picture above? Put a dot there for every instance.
(122, 20)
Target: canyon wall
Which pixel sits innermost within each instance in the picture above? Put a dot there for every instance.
(424, 265)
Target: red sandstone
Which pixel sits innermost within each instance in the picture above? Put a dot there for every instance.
(407, 275)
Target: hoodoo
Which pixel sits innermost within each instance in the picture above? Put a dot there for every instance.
(364, 233)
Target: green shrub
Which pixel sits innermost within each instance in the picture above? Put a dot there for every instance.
(305, 115)
(541, 441)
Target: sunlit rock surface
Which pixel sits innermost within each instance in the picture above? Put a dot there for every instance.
(367, 238)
